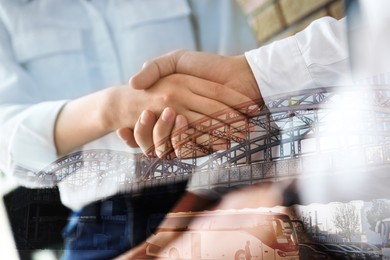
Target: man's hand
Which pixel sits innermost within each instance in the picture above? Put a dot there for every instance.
(198, 100)
(92, 116)
(233, 73)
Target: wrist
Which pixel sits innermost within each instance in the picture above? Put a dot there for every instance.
(117, 108)
(104, 116)
(244, 77)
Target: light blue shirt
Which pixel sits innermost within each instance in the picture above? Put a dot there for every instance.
(54, 50)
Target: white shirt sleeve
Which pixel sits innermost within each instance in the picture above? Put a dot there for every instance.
(313, 58)
(27, 122)
(31, 147)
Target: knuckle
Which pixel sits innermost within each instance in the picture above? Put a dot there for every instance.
(217, 89)
(148, 63)
(169, 98)
(177, 52)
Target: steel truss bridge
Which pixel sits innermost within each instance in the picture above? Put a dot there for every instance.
(327, 133)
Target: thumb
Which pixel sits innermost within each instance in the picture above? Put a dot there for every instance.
(156, 69)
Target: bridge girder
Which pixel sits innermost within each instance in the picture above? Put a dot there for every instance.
(286, 122)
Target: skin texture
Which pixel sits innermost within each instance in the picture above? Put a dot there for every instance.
(151, 131)
(161, 135)
(90, 117)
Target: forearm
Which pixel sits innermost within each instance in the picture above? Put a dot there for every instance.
(95, 115)
(88, 118)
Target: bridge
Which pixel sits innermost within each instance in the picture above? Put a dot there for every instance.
(326, 133)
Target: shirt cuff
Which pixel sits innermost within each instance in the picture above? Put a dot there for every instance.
(279, 68)
(32, 146)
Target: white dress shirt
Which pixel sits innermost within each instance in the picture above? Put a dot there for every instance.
(328, 53)
(313, 58)
(323, 54)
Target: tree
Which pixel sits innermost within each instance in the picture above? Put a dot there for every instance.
(379, 210)
(346, 219)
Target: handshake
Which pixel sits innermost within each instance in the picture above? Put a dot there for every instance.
(191, 104)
